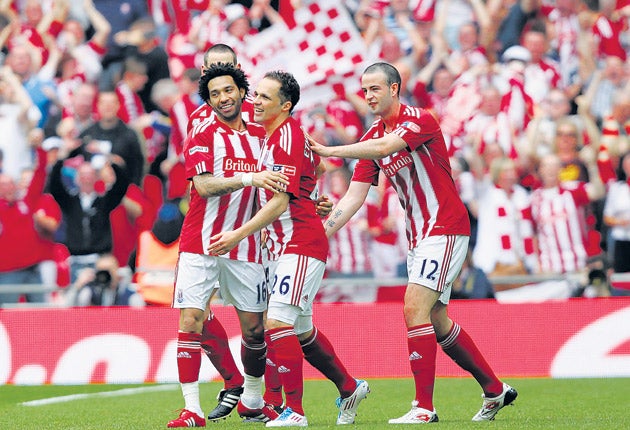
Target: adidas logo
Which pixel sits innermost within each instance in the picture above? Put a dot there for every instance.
(283, 369)
(270, 363)
(414, 356)
(183, 354)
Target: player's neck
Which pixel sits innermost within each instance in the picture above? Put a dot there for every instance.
(390, 117)
(236, 124)
(271, 126)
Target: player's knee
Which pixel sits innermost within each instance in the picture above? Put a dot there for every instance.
(191, 320)
(254, 334)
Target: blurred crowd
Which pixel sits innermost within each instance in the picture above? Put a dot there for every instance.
(533, 97)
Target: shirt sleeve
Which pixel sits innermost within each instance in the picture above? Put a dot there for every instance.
(418, 131)
(198, 156)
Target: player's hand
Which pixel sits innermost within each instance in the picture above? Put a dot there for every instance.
(318, 148)
(223, 242)
(323, 206)
(272, 181)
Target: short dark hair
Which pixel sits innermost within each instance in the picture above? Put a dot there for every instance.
(219, 48)
(222, 69)
(289, 87)
(391, 73)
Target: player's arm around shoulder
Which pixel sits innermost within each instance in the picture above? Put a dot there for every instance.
(369, 149)
(208, 185)
(224, 242)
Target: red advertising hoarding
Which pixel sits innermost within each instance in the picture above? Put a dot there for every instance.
(570, 338)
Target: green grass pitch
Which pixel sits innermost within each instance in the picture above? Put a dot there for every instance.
(541, 404)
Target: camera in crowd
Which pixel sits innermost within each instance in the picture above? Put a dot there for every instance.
(102, 282)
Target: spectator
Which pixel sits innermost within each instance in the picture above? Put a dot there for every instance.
(105, 284)
(81, 108)
(388, 247)
(132, 109)
(144, 45)
(541, 131)
(567, 143)
(605, 86)
(541, 73)
(86, 211)
(168, 96)
(505, 241)
(472, 282)
(434, 82)
(490, 125)
(18, 116)
(84, 56)
(617, 217)
(563, 29)
(40, 89)
(28, 223)
(559, 219)
(507, 21)
(468, 52)
(111, 136)
(120, 14)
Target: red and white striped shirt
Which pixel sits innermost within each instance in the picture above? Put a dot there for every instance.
(421, 176)
(213, 147)
(560, 228)
(298, 230)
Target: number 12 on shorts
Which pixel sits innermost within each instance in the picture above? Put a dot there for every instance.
(428, 268)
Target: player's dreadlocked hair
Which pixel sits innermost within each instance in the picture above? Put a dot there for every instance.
(222, 69)
(289, 87)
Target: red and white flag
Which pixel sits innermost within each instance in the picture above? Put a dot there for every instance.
(323, 48)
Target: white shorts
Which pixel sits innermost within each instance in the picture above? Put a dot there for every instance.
(294, 282)
(242, 283)
(436, 262)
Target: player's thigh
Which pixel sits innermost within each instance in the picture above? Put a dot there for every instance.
(294, 285)
(243, 284)
(436, 262)
(195, 278)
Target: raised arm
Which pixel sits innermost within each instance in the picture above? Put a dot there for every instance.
(102, 27)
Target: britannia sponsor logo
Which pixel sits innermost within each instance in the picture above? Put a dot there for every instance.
(197, 148)
(238, 165)
(398, 162)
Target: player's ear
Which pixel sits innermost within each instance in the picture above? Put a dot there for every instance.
(394, 88)
(286, 106)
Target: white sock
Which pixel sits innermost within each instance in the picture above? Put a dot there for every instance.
(190, 390)
(252, 392)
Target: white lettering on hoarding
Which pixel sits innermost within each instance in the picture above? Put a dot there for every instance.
(588, 352)
(127, 359)
(5, 355)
